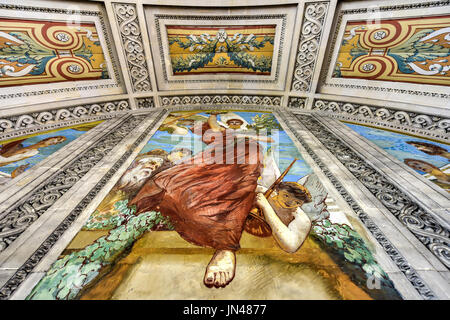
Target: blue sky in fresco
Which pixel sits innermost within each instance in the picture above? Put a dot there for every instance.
(286, 149)
(395, 144)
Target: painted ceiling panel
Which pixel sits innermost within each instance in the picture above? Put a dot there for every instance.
(398, 51)
(206, 83)
(220, 48)
(413, 50)
(33, 52)
(209, 49)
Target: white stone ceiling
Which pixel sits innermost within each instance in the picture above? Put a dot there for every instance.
(134, 38)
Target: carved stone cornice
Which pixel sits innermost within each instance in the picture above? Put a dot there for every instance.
(51, 119)
(428, 126)
(296, 103)
(222, 100)
(309, 45)
(145, 103)
(133, 47)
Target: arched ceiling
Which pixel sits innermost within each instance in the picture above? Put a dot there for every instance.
(341, 58)
(313, 64)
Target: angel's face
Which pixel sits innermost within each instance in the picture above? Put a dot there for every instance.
(234, 123)
(286, 200)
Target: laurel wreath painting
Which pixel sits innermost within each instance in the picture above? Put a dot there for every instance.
(246, 49)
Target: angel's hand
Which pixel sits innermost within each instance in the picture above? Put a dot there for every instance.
(261, 200)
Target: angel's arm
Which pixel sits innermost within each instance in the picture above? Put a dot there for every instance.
(212, 122)
(291, 237)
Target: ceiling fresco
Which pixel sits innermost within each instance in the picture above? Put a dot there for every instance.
(20, 154)
(33, 52)
(413, 50)
(135, 228)
(217, 150)
(217, 48)
(396, 50)
(237, 49)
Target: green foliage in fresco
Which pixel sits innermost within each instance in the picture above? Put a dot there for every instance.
(112, 221)
(204, 53)
(204, 50)
(239, 53)
(265, 122)
(348, 246)
(347, 241)
(69, 274)
(415, 50)
(193, 61)
(29, 52)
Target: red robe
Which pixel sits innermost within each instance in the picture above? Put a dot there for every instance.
(208, 202)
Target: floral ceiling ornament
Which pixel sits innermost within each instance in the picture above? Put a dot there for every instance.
(40, 51)
(411, 50)
(221, 35)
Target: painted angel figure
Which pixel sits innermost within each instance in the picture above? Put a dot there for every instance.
(207, 203)
(209, 196)
(285, 212)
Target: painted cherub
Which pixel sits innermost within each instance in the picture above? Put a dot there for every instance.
(282, 211)
(298, 210)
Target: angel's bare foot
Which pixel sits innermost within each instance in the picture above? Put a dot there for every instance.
(220, 270)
